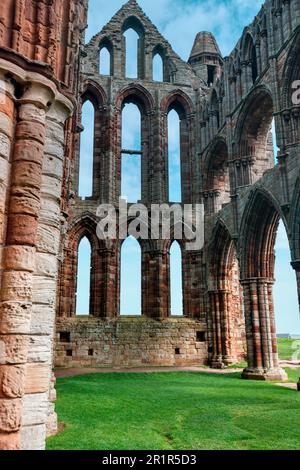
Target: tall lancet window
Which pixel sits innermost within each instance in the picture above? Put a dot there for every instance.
(131, 153)
(174, 159)
(86, 151)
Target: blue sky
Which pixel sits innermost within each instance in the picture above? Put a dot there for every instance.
(179, 21)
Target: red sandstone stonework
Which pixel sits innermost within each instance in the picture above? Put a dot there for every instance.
(39, 43)
(226, 109)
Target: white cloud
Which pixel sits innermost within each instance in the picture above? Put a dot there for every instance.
(179, 21)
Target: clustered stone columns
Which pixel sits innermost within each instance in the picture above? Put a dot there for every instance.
(23, 371)
(261, 331)
(220, 304)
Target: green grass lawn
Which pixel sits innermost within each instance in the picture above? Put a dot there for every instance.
(285, 348)
(175, 411)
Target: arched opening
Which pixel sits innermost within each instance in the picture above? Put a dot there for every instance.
(174, 157)
(132, 49)
(158, 68)
(131, 280)
(227, 337)
(216, 182)
(215, 110)
(259, 232)
(86, 161)
(84, 260)
(131, 166)
(133, 32)
(176, 286)
(177, 146)
(105, 67)
(256, 153)
(285, 288)
(250, 55)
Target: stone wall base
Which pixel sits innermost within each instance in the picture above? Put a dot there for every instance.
(129, 342)
(270, 375)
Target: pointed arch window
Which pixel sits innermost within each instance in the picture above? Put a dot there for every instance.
(134, 48)
(132, 40)
(105, 61)
(158, 68)
(84, 265)
(106, 57)
(85, 186)
(131, 166)
(174, 154)
(176, 286)
(131, 279)
(250, 55)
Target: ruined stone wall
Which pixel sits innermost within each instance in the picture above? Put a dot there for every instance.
(130, 342)
(254, 89)
(227, 164)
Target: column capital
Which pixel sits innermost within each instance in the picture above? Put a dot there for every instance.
(37, 89)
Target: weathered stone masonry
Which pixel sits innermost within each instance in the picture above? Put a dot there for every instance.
(36, 98)
(226, 107)
(181, 90)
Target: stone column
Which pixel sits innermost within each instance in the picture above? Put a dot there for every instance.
(10, 402)
(107, 285)
(155, 283)
(29, 266)
(223, 329)
(193, 284)
(38, 406)
(264, 49)
(258, 58)
(217, 358)
(261, 331)
(19, 260)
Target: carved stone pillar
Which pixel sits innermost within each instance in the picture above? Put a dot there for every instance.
(261, 332)
(29, 262)
(19, 257)
(223, 329)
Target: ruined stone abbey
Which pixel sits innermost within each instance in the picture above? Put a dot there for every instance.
(226, 107)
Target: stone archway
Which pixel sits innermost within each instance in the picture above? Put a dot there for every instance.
(257, 241)
(226, 321)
